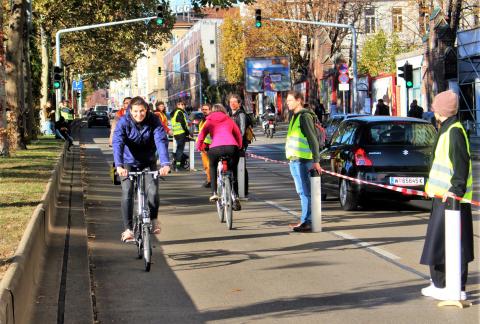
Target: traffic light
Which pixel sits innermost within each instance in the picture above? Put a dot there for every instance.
(258, 18)
(159, 70)
(160, 18)
(79, 94)
(406, 74)
(57, 77)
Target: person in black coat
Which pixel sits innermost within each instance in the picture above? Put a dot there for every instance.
(445, 107)
(415, 110)
(382, 109)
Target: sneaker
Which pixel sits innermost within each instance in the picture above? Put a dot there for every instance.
(207, 184)
(156, 229)
(303, 227)
(214, 197)
(439, 293)
(127, 236)
(236, 205)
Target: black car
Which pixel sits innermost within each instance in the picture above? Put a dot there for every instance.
(98, 118)
(384, 150)
(334, 121)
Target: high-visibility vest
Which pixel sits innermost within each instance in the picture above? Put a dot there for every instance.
(297, 143)
(163, 120)
(65, 113)
(177, 127)
(440, 176)
(208, 138)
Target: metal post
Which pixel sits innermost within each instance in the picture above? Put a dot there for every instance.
(192, 154)
(316, 198)
(241, 177)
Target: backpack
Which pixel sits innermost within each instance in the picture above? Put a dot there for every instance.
(319, 130)
(249, 135)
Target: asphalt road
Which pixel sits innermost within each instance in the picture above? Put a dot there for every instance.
(363, 267)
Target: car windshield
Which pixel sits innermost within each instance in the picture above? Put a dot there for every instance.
(401, 133)
(101, 108)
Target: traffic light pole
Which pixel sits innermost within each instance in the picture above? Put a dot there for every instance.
(197, 74)
(58, 92)
(354, 39)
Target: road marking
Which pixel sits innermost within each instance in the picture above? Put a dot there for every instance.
(366, 245)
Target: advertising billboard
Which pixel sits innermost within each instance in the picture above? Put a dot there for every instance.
(267, 74)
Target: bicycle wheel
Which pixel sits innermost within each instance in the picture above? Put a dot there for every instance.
(228, 202)
(137, 234)
(147, 248)
(220, 209)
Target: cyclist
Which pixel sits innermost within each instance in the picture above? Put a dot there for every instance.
(137, 137)
(226, 141)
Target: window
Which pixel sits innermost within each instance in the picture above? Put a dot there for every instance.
(401, 133)
(212, 41)
(212, 65)
(370, 20)
(345, 134)
(397, 19)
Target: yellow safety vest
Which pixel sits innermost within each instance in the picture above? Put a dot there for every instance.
(65, 113)
(176, 126)
(439, 179)
(297, 143)
(208, 138)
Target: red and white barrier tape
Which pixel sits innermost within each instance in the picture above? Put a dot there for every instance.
(404, 191)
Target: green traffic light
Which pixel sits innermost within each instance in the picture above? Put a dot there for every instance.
(160, 21)
(258, 24)
(56, 85)
(409, 84)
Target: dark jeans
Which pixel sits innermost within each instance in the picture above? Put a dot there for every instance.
(437, 273)
(214, 155)
(151, 189)
(181, 140)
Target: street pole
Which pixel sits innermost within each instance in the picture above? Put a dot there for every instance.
(354, 40)
(58, 60)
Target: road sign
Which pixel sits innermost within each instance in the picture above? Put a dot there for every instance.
(77, 85)
(343, 68)
(343, 87)
(343, 78)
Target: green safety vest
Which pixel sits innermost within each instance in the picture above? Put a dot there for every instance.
(439, 179)
(65, 113)
(208, 138)
(297, 144)
(177, 127)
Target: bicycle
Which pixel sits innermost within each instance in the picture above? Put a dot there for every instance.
(225, 192)
(142, 225)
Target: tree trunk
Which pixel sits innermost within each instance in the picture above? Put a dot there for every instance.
(14, 72)
(30, 109)
(4, 149)
(45, 41)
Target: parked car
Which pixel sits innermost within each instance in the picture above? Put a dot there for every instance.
(334, 121)
(379, 149)
(98, 118)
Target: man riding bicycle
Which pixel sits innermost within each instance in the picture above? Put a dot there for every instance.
(137, 137)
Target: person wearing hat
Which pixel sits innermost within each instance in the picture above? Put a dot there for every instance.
(450, 175)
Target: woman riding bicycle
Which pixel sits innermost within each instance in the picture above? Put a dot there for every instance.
(226, 142)
(137, 137)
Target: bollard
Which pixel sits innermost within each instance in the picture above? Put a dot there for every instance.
(316, 198)
(192, 154)
(241, 176)
(453, 267)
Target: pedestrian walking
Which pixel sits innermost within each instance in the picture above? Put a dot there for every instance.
(206, 108)
(240, 118)
(450, 174)
(382, 109)
(415, 110)
(302, 150)
(181, 134)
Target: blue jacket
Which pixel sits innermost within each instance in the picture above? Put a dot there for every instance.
(136, 144)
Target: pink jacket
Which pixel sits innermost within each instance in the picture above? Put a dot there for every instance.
(222, 130)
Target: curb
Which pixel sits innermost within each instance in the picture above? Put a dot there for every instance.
(19, 284)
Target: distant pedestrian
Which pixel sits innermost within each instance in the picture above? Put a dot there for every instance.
(206, 108)
(415, 110)
(450, 174)
(382, 109)
(319, 111)
(302, 150)
(160, 113)
(181, 133)
(240, 117)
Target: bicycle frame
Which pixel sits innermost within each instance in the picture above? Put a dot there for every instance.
(225, 191)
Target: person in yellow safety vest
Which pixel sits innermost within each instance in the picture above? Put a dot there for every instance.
(450, 175)
(302, 151)
(206, 108)
(67, 112)
(181, 133)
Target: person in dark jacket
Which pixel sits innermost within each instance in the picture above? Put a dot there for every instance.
(415, 110)
(138, 136)
(240, 118)
(62, 130)
(382, 109)
(450, 175)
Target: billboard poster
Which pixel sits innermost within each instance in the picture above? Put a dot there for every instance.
(267, 74)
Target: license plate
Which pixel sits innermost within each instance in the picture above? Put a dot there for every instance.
(99, 118)
(406, 181)
(271, 126)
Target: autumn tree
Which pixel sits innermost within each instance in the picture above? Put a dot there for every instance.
(232, 47)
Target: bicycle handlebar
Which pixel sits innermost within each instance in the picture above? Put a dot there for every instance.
(137, 173)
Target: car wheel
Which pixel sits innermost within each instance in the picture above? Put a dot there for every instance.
(348, 200)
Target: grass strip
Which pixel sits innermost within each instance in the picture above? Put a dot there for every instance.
(23, 178)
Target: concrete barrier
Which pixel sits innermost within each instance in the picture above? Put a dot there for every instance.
(18, 286)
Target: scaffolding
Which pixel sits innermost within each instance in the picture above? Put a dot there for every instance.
(468, 69)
